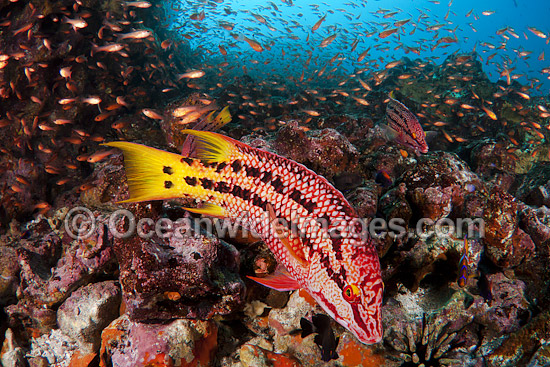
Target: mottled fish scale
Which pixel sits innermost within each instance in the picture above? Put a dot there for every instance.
(329, 202)
(286, 178)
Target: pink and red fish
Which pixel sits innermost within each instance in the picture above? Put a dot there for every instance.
(331, 258)
(403, 126)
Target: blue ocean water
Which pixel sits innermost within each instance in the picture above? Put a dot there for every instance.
(497, 30)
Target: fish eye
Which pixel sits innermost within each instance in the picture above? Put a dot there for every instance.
(351, 293)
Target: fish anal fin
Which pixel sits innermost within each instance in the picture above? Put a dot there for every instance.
(291, 242)
(209, 209)
(280, 280)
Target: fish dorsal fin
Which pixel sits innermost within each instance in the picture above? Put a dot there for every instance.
(307, 327)
(280, 280)
(210, 117)
(223, 118)
(292, 243)
(209, 209)
(208, 124)
(212, 147)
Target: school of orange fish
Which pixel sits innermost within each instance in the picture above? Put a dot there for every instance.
(70, 77)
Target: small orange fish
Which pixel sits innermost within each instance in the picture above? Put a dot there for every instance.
(151, 114)
(327, 41)
(62, 181)
(99, 155)
(489, 113)
(312, 113)
(76, 23)
(138, 4)
(103, 116)
(111, 47)
(62, 121)
(387, 32)
(65, 72)
(255, 45)
(193, 74)
(318, 24)
(134, 35)
(537, 33)
(93, 100)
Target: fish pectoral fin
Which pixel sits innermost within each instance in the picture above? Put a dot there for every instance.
(294, 246)
(209, 209)
(291, 242)
(280, 280)
(388, 133)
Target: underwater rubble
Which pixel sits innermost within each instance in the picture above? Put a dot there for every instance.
(97, 300)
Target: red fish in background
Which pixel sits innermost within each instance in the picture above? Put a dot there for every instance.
(403, 126)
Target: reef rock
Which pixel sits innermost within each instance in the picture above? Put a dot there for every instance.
(394, 206)
(12, 355)
(536, 223)
(508, 305)
(506, 244)
(83, 259)
(253, 355)
(9, 274)
(56, 347)
(179, 342)
(53, 264)
(30, 319)
(183, 274)
(518, 348)
(88, 311)
(534, 187)
(365, 199)
(443, 336)
(438, 184)
(490, 159)
(327, 152)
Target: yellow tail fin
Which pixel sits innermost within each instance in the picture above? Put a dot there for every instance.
(154, 174)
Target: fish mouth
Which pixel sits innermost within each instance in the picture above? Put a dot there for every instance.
(368, 339)
(371, 335)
